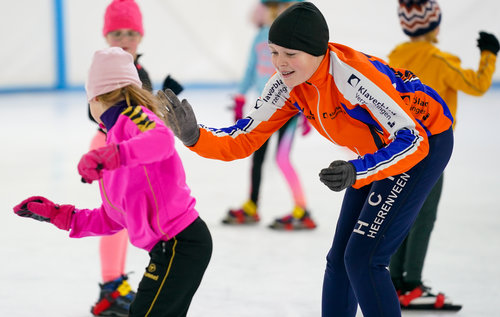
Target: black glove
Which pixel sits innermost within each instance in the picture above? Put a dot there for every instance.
(172, 84)
(488, 42)
(179, 117)
(338, 176)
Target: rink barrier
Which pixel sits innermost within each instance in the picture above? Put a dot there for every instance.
(61, 76)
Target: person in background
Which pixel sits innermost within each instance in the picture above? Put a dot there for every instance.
(259, 70)
(122, 28)
(143, 189)
(398, 128)
(420, 20)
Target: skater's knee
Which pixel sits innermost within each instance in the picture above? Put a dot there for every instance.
(355, 262)
(334, 261)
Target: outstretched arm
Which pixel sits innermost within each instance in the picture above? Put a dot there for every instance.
(240, 140)
(179, 117)
(81, 222)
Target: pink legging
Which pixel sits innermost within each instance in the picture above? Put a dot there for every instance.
(113, 249)
(285, 139)
(285, 165)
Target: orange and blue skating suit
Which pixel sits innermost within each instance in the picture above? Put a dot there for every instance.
(383, 114)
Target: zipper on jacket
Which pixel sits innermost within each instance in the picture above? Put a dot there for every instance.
(317, 111)
(107, 198)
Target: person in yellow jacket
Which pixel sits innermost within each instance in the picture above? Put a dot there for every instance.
(442, 71)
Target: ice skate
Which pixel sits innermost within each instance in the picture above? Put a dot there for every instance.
(421, 298)
(299, 219)
(114, 299)
(247, 214)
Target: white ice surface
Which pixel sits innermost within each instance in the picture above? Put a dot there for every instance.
(254, 271)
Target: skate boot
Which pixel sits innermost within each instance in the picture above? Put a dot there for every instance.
(422, 298)
(114, 299)
(299, 219)
(247, 214)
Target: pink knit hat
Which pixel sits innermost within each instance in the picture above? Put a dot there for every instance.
(112, 68)
(122, 14)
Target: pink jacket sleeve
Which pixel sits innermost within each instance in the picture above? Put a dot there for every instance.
(143, 147)
(92, 222)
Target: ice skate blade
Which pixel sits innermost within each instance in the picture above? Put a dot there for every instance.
(446, 307)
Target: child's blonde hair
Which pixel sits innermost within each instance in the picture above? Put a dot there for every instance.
(133, 95)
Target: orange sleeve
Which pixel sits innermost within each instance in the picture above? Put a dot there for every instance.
(271, 112)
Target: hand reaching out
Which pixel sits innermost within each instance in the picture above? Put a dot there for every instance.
(179, 117)
(42, 209)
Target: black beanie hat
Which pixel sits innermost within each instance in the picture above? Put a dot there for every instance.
(301, 27)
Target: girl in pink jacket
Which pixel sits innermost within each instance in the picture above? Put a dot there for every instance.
(143, 189)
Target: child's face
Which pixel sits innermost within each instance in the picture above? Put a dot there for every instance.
(294, 66)
(96, 109)
(127, 39)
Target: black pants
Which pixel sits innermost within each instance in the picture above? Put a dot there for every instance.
(174, 273)
(258, 159)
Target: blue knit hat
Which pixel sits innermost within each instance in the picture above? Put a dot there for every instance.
(418, 17)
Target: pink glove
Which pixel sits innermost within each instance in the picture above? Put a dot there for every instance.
(239, 102)
(91, 164)
(306, 126)
(42, 209)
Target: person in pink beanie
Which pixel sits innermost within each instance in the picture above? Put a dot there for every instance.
(143, 189)
(122, 14)
(123, 28)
